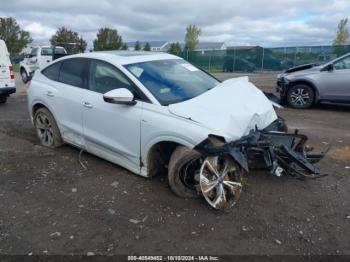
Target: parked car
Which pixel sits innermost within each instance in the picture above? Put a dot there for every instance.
(7, 77)
(156, 113)
(306, 85)
(38, 58)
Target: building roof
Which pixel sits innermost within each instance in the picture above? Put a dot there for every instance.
(243, 47)
(151, 43)
(210, 45)
(206, 45)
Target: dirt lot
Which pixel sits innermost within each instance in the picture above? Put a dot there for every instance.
(49, 204)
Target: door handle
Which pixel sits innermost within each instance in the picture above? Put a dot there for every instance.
(49, 93)
(87, 105)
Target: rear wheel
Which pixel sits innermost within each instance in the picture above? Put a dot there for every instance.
(300, 96)
(24, 76)
(47, 129)
(3, 99)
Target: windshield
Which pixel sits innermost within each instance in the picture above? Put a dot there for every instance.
(172, 81)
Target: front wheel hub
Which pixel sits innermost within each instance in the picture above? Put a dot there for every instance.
(220, 181)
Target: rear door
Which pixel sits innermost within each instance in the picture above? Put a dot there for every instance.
(6, 69)
(64, 96)
(45, 57)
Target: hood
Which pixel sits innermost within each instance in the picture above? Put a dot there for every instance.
(302, 70)
(232, 108)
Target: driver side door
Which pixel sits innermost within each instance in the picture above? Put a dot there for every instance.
(111, 131)
(337, 81)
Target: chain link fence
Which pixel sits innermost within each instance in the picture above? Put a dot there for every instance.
(256, 58)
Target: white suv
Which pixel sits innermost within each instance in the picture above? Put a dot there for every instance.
(154, 113)
(7, 77)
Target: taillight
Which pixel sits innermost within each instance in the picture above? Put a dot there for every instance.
(12, 75)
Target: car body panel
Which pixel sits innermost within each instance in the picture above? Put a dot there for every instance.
(65, 103)
(114, 127)
(234, 107)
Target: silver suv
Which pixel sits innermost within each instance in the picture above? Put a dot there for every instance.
(306, 85)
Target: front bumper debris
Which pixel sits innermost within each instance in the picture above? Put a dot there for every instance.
(279, 152)
(224, 163)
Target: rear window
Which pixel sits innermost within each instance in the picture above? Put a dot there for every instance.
(52, 72)
(72, 72)
(47, 51)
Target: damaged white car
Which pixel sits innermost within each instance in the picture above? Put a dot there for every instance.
(155, 113)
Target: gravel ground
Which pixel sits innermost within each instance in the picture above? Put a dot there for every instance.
(51, 205)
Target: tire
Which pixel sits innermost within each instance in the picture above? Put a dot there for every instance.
(24, 76)
(3, 99)
(181, 158)
(301, 96)
(47, 129)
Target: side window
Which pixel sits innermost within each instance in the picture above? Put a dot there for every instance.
(33, 52)
(105, 77)
(72, 72)
(52, 72)
(342, 64)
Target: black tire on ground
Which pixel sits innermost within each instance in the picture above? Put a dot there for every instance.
(24, 76)
(181, 157)
(3, 99)
(47, 129)
(301, 96)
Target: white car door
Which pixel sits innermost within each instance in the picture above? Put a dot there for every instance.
(45, 57)
(64, 96)
(111, 131)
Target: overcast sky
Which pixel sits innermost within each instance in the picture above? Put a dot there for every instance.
(237, 22)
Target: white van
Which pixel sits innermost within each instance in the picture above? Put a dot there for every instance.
(7, 77)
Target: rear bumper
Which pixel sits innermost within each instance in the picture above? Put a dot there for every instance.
(7, 91)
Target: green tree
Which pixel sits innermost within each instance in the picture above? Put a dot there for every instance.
(69, 40)
(174, 48)
(107, 39)
(342, 36)
(147, 47)
(124, 46)
(15, 38)
(191, 37)
(137, 46)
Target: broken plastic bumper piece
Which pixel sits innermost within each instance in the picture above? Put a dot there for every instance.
(279, 152)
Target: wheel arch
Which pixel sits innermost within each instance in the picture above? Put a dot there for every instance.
(157, 154)
(40, 104)
(22, 67)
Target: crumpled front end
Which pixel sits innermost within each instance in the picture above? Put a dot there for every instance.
(280, 152)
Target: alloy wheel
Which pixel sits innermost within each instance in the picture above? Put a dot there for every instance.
(300, 97)
(44, 129)
(220, 181)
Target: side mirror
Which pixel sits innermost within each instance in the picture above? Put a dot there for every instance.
(119, 96)
(328, 68)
